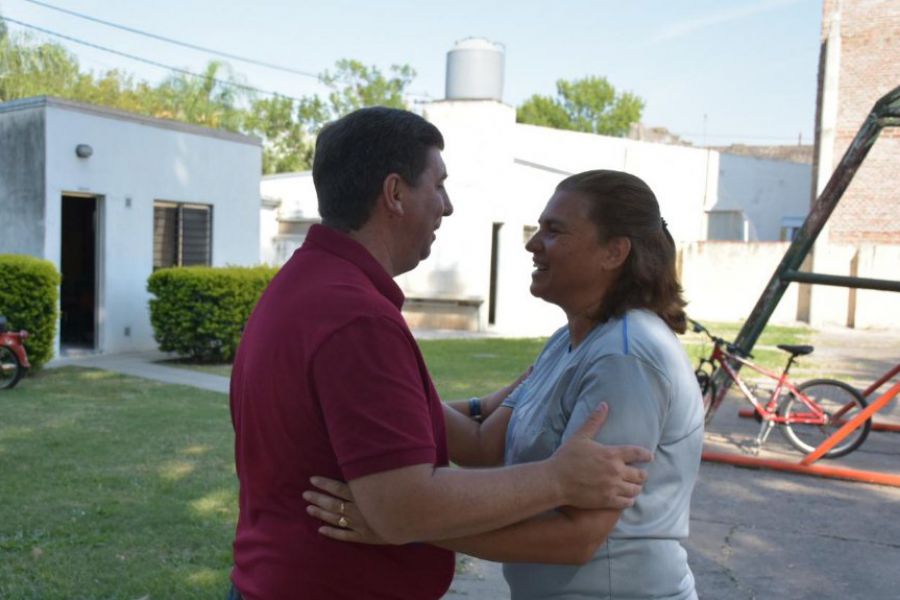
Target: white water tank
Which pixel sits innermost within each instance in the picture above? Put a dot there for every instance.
(475, 70)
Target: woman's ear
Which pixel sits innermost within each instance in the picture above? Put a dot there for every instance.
(616, 252)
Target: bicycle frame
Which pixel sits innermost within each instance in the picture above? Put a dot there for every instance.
(769, 411)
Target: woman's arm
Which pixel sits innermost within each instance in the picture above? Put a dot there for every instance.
(486, 405)
(567, 536)
(474, 444)
(479, 444)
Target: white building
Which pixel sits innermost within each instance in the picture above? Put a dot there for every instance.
(759, 199)
(501, 174)
(108, 196)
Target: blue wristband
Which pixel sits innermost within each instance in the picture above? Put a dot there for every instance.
(475, 408)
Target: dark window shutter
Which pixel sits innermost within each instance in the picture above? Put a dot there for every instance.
(196, 240)
(165, 236)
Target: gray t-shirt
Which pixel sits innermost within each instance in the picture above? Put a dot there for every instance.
(637, 366)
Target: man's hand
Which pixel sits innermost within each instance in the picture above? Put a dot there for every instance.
(591, 475)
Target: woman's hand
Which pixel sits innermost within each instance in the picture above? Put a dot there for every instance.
(336, 508)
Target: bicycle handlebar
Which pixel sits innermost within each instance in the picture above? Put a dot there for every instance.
(731, 347)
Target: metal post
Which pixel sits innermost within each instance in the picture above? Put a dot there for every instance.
(885, 113)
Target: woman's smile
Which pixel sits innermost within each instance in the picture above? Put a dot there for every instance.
(539, 268)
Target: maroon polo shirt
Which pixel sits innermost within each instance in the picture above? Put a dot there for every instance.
(329, 381)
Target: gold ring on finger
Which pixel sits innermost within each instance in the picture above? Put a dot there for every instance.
(343, 522)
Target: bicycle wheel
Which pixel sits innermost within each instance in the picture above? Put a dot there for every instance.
(830, 396)
(709, 404)
(10, 368)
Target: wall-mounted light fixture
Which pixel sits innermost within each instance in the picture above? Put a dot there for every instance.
(83, 151)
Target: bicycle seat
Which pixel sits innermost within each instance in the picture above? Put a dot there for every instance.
(796, 350)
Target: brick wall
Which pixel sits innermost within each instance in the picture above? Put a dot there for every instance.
(869, 68)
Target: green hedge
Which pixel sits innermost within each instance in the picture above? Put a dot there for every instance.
(29, 299)
(200, 312)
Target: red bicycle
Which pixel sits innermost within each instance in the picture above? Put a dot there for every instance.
(807, 414)
(13, 359)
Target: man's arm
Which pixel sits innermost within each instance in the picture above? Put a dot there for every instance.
(425, 503)
(370, 391)
(564, 536)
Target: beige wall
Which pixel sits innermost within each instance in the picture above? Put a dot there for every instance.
(723, 280)
(873, 309)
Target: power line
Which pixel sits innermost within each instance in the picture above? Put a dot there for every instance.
(161, 38)
(242, 86)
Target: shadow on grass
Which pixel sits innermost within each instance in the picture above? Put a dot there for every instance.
(115, 487)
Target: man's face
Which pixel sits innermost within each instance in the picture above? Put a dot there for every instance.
(424, 205)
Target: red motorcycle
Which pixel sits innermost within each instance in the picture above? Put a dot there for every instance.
(13, 359)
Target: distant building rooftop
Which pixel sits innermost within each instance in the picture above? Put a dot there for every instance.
(795, 153)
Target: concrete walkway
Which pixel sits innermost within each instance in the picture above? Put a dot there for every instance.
(145, 365)
(754, 534)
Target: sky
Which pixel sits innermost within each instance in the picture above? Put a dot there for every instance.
(715, 72)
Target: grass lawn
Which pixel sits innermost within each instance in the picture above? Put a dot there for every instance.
(116, 487)
(460, 368)
(456, 364)
(466, 368)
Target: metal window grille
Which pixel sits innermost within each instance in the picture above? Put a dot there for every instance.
(182, 235)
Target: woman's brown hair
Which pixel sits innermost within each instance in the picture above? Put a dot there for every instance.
(623, 205)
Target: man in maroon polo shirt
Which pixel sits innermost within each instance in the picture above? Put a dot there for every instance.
(329, 381)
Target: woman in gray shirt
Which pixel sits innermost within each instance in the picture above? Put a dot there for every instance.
(605, 256)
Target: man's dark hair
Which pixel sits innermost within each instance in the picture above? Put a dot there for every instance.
(623, 205)
(357, 152)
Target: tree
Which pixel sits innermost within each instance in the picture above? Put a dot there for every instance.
(590, 104)
(286, 145)
(48, 69)
(214, 99)
(288, 128)
(35, 70)
(355, 86)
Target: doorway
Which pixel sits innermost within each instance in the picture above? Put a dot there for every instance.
(78, 265)
(495, 264)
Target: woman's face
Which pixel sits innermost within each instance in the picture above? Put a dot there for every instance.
(573, 268)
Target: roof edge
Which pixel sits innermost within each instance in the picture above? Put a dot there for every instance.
(114, 113)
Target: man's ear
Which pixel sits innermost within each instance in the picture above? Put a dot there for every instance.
(392, 194)
(617, 250)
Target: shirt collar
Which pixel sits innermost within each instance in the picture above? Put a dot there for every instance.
(341, 245)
